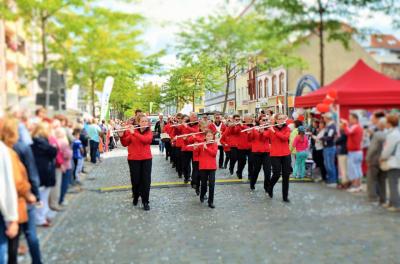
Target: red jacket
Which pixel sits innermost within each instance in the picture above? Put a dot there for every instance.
(280, 142)
(234, 135)
(213, 127)
(138, 144)
(225, 141)
(207, 157)
(187, 130)
(195, 139)
(243, 142)
(259, 141)
(354, 137)
(178, 130)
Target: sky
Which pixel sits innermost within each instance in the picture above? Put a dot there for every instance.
(165, 16)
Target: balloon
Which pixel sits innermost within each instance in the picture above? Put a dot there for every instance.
(327, 101)
(301, 118)
(323, 108)
(333, 94)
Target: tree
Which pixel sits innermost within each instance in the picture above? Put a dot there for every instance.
(321, 17)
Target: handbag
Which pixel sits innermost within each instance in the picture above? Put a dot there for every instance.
(391, 162)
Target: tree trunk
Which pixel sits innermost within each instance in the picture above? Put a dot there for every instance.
(227, 74)
(43, 40)
(321, 43)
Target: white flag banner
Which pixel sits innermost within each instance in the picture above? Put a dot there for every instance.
(107, 88)
(72, 97)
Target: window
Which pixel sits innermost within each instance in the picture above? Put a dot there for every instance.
(266, 87)
(259, 88)
(281, 83)
(274, 85)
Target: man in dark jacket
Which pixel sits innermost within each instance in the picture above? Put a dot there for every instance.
(159, 127)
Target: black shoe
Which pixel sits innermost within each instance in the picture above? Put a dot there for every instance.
(146, 207)
(252, 187)
(201, 199)
(211, 205)
(135, 201)
(270, 192)
(231, 172)
(286, 200)
(197, 192)
(239, 176)
(186, 181)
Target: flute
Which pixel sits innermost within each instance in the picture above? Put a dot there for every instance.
(127, 128)
(190, 134)
(201, 144)
(175, 125)
(261, 127)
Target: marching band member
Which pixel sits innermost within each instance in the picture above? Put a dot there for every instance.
(187, 153)
(280, 156)
(219, 127)
(244, 149)
(178, 143)
(234, 136)
(139, 159)
(195, 162)
(225, 142)
(260, 148)
(167, 141)
(207, 167)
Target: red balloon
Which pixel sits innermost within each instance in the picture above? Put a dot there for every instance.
(333, 94)
(300, 118)
(323, 108)
(328, 101)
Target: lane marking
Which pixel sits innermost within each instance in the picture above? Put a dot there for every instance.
(159, 185)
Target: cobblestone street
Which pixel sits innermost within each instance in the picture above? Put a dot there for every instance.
(320, 225)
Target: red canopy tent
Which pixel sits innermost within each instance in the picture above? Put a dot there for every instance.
(361, 87)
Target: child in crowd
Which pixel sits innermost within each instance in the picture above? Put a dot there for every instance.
(300, 143)
(78, 152)
(207, 167)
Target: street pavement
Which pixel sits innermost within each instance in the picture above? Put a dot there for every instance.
(320, 225)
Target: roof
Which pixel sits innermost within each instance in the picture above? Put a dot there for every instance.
(361, 86)
(383, 41)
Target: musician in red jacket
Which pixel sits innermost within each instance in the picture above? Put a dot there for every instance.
(259, 140)
(218, 128)
(280, 156)
(227, 149)
(138, 141)
(244, 149)
(178, 130)
(191, 126)
(233, 131)
(207, 167)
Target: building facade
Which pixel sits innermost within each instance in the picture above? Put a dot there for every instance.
(214, 101)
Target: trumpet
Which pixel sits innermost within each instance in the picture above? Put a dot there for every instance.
(201, 143)
(190, 134)
(262, 127)
(128, 128)
(176, 125)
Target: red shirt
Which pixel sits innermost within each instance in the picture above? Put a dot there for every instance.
(207, 157)
(243, 142)
(354, 137)
(138, 144)
(195, 139)
(280, 142)
(225, 141)
(259, 140)
(187, 130)
(234, 135)
(178, 130)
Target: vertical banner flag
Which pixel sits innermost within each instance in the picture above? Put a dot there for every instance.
(107, 88)
(72, 97)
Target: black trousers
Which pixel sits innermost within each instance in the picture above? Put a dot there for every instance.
(168, 149)
(173, 155)
(261, 159)
(281, 166)
(207, 176)
(227, 158)
(243, 155)
(221, 156)
(187, 157)
(178, 160)
(195, 175)
(318, 157)
(233, 159)
(140, 171)
(94, 146)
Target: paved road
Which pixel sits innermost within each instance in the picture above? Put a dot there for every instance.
(320, 225)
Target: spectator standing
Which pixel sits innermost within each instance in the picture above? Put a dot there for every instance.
(329, 151)
(300, 144)
(341, 149)
(391, 157)
(93, 132)
(318, 155)
(77, 155)
(376, 178)
(354, 134)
